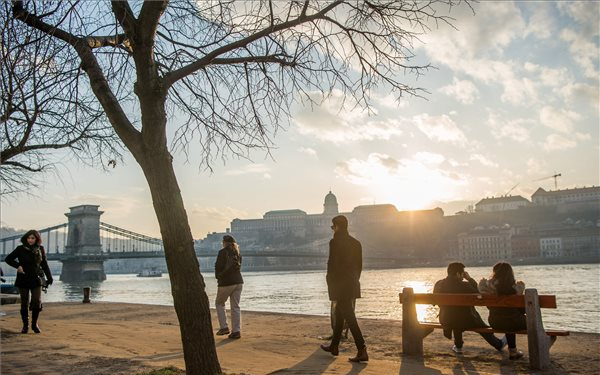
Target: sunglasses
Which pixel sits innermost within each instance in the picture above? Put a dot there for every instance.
(333, 227)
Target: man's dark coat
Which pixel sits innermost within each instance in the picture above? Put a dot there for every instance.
(344, 267)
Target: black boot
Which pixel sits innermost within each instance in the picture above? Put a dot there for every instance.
(361, 356)
(25, 319)
(34, 318)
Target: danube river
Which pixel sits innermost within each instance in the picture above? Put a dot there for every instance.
(577, 288)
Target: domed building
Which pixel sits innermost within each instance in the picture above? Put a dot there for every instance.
(330, 207)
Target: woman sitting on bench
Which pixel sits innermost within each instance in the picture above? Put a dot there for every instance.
(508, 319)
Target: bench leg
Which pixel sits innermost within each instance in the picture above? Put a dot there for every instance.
(552, 341)
(412, 332)
(538, 341)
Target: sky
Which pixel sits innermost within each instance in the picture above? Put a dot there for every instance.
(514, 100)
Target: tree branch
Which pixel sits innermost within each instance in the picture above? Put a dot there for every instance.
(99, 84)
(22, 166)
(201, 63)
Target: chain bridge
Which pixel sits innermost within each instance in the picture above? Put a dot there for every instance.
(84, 243)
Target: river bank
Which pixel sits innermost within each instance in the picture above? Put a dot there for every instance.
(123, 339)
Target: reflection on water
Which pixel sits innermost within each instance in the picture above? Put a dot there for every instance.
(73, 291)
(577, 288)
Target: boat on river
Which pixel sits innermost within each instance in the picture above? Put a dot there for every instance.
(153, 272)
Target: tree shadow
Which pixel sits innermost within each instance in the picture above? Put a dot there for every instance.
(316, 363)
(415, 365)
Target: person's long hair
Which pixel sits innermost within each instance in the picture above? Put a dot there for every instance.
(234, 246)
(504, 278)
(231, 244)
(32, 232)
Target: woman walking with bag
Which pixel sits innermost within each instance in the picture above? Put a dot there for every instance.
(230, 282)
(30, 261)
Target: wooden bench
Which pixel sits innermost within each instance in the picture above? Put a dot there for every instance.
(539, 340)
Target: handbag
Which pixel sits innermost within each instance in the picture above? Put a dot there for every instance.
(42, 280)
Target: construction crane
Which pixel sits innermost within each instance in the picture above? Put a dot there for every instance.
(555, 177)
(511, 189)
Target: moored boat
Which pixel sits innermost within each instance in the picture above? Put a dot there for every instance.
(150, 273)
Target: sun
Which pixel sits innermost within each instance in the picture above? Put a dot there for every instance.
(414, 186)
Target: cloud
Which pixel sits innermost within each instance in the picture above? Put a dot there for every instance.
(585, 52)
(556, 142)
(339, 121)
(585, 13)
(429, 157)
(462, 90)
(535, 166)
(308, 151)
(541, 23)
(549, 76)
(487, 32)
(409, 183)
(389, 101)
(580, 92)
(250, 169)
(515, 129)
(483, 160)
(218, 217)
(558, 119)
(440, 128)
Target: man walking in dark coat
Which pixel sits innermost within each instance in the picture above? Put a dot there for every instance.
(457, 319)
(343, 274)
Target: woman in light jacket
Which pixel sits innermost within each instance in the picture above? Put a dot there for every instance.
(508, 319)
(230, 282)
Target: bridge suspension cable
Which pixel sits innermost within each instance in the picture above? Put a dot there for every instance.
(123, 240)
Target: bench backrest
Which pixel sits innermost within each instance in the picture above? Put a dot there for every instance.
(449, 299)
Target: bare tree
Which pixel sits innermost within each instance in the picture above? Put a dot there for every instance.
(44, 108)
(218, 78)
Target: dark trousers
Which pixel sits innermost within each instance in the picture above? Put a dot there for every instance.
(344, 312)
(489, 337)
(511, 323)
(36, 298)
(332, 317)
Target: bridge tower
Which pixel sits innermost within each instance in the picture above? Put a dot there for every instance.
(83, 251)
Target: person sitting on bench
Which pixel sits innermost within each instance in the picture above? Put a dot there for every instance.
(508, 319)
(457, 319)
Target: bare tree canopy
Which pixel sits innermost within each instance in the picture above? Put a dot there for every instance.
(223, 74)
(44, 108)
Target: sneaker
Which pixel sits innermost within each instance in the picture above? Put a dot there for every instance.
(515, 354)
(457, 350)
(223, 331)
(504, 343)
(235, 335)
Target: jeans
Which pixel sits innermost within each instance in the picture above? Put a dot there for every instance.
(233, 292)
(344, 312)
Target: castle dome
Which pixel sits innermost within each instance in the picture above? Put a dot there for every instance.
(330, 206)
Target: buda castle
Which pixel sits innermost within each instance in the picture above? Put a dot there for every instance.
(382, 229)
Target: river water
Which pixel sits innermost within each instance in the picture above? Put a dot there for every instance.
(577, 290)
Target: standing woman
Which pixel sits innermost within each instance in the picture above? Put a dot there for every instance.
(30, 261)
(509, 319)
(230, 282)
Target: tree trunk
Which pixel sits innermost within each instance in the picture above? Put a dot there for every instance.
(187, 284)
